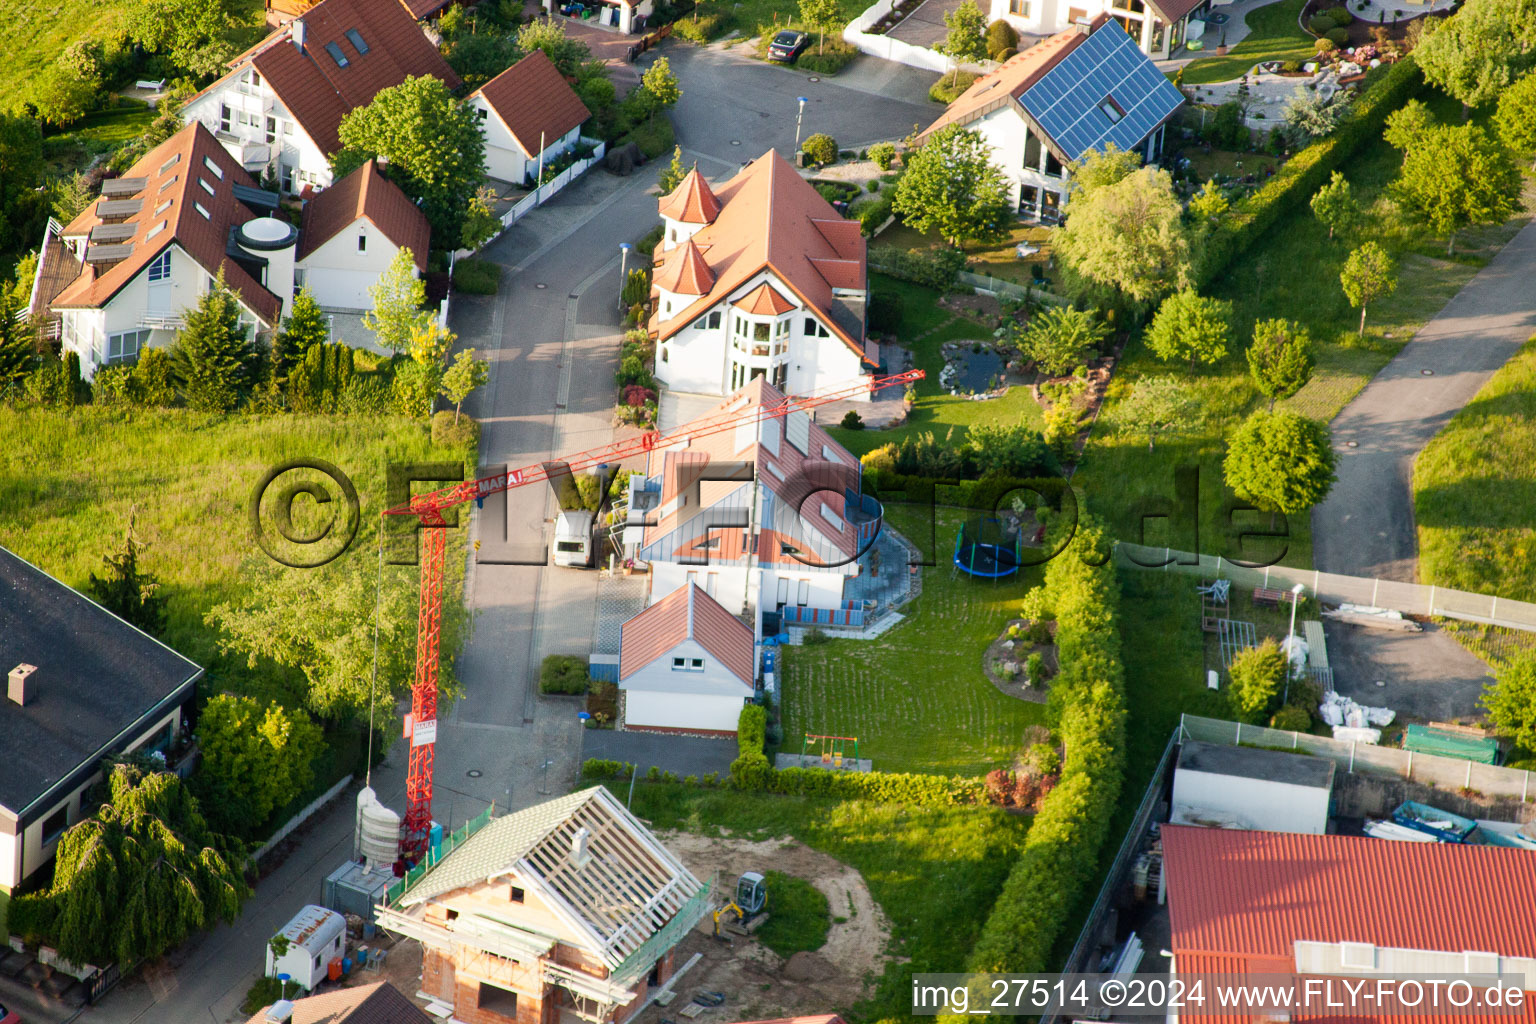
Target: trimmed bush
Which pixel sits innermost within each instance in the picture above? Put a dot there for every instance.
(873, 215)
(883, 154)
(820, 149)
(597, 768)
(1321, 25)
(1000, 36)
(1341, 16)
(477, 277)
(1325, 46)
(1292, 717)
(564, 673)
(1295, 183)
(1337, 36)
(852, 420)
(948, 88)
(1003, 55)
(33, 916)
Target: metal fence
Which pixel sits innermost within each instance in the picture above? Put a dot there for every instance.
(1367, 758)
(1408, 598)
(450, 842)
(547, 190)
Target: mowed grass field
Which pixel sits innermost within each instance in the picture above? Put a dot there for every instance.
(1475, 490)
(916, 696)
(70, 480)
(936, 872)
(1293, 272)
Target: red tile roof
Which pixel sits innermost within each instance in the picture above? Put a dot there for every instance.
(174, 174)
(1255, 893)
(316, 91)
(779, 472)
(686, 614)
(764, 301)
(772, 219)
(687, 273)
(534, 102)
(692, 202)
(1010, 80)
(379, 1003)
(365, 194)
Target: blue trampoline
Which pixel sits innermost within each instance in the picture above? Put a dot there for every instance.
(989, 548)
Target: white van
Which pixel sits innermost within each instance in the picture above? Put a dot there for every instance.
(573, 539)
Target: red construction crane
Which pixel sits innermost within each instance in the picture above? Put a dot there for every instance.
(429, 509)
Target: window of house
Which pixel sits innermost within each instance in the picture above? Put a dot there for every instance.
(517, 895)
(453, 915)
(664, 353)
(759, 332)
(168, 182)
(336, 55)
(362, 243)
(160, 269)
(1020, 8)
(714, 321)
(687, 664)
(668, 307)
(831, 517)
(224, 117)
(814, 328)
(169, 164)
(202, 210)
(356, 41)
(285, 174)
(673, 233)
(1110, 109)
(497, 1000)
(271, 129)
(164, 205)
(299, 275)
(483, 113)
(213, 168)
(156, 230)
(203, 183)
(803, 597)
(287, 127)
(54, 825)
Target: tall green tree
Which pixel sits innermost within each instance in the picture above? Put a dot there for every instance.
(398, 296)
(1280, 358)
(951, 186)
(1126, 244)
(1408, 124)
(1516, 115)
(433, 145)
(1100, 168)
(1191, 326)
(1458, 177)
(965, 36)
(1280, 461)
(22, 209)
(658, 87)
(674, 174)
(1258, 673)
(70, 196)
(1369, 274)
(216, 362)
(1511, 700)
(195, 34)
(1059, 338)
(18, 345)
(1334, 204)
(1472, 55)
(819, 14)
(147, 862)
(463, 378)
(304, 327)
(255, 761)
(1158, 407)
(547, 34)
(126, 589)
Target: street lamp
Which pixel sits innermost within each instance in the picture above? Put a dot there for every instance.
(799, 114)
(544, 789)
(1290, 637)
(624, 248)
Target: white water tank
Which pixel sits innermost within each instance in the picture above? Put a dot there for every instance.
(378, 832)
(275, 241)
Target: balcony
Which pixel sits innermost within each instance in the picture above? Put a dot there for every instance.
(253, 156)
(161, 321)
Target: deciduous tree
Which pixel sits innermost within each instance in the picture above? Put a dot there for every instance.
(1472, 55)
(255, 760)
(1280, 461)
(1257, 674)
(547, 34)
(1280, 358)
(193, 33)
(674, 174)
(1126, 243)
(1369, 274)
(1190, 326)
(1408, 124)
(1458, 177)
(1059, 338)
(658, 87)
(398, 296)
(462, 379)
(1511, 700)
(819, 14)
(1100, 168)
(951, 186)
(433, 145)
(1334, 204)
(1209, 205)
(1157, 407)
(1516, 115)
(18, 346)
(965, 36)
(126, 589)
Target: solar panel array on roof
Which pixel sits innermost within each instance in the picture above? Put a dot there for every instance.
(1077, 100)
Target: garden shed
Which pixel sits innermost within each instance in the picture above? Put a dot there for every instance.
(1248, 788)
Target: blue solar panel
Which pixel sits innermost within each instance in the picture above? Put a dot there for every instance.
(1070, 101)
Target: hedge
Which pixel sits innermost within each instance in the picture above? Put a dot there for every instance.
(1060, 858)
(935, 268)
(980, 494)
(33, 916)
(1295, 184)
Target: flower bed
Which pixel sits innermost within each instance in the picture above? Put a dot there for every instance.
(1007, 660)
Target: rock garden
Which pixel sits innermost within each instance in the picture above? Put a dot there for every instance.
(1022, 661)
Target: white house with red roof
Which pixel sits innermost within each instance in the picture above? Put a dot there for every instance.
(760, 279)
(763, 517)
(120, 277)
(1158, 27)
(1271, 903)
(281, 104)
(529, 115)
(1086, 88)
(685, 663)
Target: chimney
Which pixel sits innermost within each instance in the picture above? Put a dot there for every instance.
(580, 855)
(1084, 26)
(22, 689)
(296, 32)
(281, 1012)
(382, 161)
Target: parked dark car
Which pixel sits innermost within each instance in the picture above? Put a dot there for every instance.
(9, 1018)
(787, 45)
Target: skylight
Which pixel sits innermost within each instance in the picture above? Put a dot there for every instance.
(206, 187)
(336, 54)
(202, 210)
(356, 40)
(165, 205)
(169, 163)
(1111, 110)
(218, 172)
(156, 230)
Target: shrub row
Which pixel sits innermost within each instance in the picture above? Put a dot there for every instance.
(987, 494)
(1061, 853)
(1307, 171)
(934, 268)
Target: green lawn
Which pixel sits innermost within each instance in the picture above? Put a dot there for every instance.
(1475, 490)
(1292, 272)
(935, 872)
(800, 916)
(998, 259)
(68, 481)
(99, 132)
(1274, 34)
(916, 697)
(924, 329)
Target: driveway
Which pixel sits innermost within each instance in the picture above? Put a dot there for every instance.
(1366, 526)
(1427, 676)
(683, 755)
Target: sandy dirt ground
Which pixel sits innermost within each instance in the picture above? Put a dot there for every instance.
(758, 983)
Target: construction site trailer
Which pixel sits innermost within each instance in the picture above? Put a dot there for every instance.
(1424, 739)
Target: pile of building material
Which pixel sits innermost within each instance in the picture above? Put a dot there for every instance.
(1369, 615)
(1353, 721)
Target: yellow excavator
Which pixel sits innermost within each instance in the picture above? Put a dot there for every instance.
(750, 901)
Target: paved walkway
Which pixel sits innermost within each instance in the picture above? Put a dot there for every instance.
(1366, 526)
